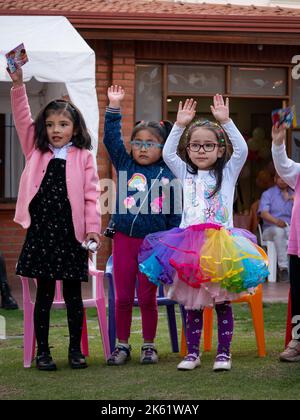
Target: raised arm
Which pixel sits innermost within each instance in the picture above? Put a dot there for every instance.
(220, 111)
(112, 128)
(185, 115)
(21, 113)
(286, 168)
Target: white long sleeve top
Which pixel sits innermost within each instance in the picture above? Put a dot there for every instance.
(197, 206)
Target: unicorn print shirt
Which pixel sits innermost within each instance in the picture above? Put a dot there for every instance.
(198, 206)
(147, 199)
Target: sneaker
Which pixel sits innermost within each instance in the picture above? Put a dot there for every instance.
(291, 353)
(119, 356)
(148, 355)
(222, 363)
(190, 362)
(45, 362)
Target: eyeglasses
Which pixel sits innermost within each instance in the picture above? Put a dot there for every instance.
(138, 144)
(207, 147)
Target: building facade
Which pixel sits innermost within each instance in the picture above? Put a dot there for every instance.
(164, 51)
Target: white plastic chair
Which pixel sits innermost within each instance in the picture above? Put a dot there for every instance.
(272, 255)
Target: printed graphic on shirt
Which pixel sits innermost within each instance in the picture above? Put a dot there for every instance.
(129, 202)
(200, 207)
(138, 182)
(165, 181)
(157, 204)
(216, 209)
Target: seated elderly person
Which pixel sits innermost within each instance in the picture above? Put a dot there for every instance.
(275, 208)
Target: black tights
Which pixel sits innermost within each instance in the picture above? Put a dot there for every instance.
(44, 299)
(295, 289)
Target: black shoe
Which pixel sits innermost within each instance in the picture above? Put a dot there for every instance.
(8, 302)
(283, 276)
(45, 362)
(77, 360)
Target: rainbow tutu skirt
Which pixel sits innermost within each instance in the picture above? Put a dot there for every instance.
(203, 264)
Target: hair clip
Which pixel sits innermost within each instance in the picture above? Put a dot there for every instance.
(162, 123)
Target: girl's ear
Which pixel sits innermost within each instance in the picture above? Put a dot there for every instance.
(221, 152)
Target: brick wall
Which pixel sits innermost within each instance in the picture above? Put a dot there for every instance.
(11, 240)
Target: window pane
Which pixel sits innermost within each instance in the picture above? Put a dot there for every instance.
(196, 79)
(13, 159)
(296, 98)
(258, 81)
(148, 92)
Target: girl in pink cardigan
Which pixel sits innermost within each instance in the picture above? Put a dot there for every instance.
(289, 171)
(57, 203)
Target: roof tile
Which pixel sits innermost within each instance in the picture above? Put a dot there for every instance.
(143, 6)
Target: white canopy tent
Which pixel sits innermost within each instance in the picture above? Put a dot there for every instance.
(60, 63)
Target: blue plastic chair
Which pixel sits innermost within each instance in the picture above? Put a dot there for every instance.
(161, 300)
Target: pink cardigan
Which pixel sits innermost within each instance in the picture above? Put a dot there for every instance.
(81, 176)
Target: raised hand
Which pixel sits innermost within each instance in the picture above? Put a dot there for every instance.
(278, 134)
(186, 112)
(115, 95)
(16, 77)
(220, 110)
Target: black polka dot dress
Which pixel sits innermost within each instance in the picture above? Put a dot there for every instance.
(51, 249)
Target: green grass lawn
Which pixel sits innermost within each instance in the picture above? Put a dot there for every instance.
(250, 378)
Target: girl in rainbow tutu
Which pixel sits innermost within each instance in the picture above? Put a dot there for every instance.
(205, 262)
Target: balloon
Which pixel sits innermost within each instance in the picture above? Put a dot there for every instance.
(265, 150)
(246, 172)
(259, 144)
(254, 144)
(258, 133)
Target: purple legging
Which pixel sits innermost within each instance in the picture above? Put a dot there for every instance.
(194, 325)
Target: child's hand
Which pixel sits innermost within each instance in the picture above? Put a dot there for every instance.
(220, 110)
(278, 134)
(186, 113)
(115, 95)
(280, 223)
(16, 77)
(92, 236)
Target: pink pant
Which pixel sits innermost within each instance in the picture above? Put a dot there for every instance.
(125, 262)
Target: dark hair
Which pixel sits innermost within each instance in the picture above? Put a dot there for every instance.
(81, 137)
(220, 163)
(161, 129)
